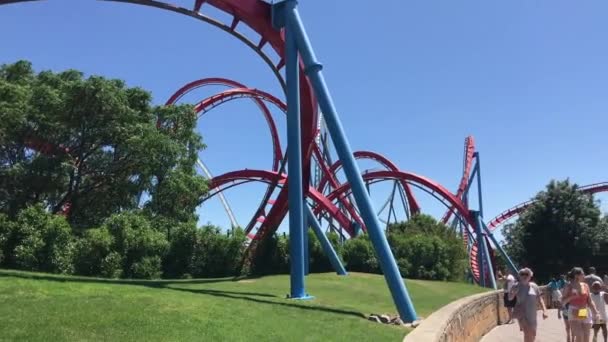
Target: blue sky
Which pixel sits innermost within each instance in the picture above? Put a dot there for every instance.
(411, 79)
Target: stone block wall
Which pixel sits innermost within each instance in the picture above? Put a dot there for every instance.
(465, 320)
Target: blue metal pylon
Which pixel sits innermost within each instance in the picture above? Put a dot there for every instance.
(285, 14)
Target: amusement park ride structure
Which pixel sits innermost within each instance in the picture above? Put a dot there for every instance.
(310, 190)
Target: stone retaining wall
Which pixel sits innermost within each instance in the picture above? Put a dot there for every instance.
(464, 320)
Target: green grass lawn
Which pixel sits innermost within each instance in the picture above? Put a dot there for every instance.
(40, 307)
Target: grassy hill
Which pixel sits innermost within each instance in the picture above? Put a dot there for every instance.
(41, 307)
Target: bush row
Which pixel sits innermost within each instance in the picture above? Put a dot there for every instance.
(131, 245)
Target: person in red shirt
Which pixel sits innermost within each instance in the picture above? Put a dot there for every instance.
(577, 295)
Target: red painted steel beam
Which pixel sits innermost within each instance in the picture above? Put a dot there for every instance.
(382, 160)
(469, 148)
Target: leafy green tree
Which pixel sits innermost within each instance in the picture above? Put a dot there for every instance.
(422, 224)
(6, 227)
(95, 145)
(561, 229)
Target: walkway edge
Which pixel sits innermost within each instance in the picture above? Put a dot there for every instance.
(466, 319)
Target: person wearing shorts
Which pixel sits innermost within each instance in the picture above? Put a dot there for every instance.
(600, 298)
(509, 281)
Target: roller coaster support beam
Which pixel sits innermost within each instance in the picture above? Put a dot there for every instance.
(286, 13)
(294, 165)
(328, 249)
(305, 242)
(485, 263)
(501, 250)
(478, 169)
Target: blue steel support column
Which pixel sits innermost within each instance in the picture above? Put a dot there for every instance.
(481, 260)
(478, 169)
(294, 166)
(484, 245)
(504, 254)
(325, 244)
(305, 243)
(385, 256)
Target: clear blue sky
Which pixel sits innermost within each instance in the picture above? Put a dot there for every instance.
(411, 79)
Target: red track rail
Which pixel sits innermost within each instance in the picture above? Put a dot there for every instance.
(469, 152)
(257, 99)
(518, 209)
(382, 160)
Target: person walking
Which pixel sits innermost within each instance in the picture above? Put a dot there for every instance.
(577, 294)
(528, 295)
(556, 294)
(600, 299)
(564, 309)
(507, 284)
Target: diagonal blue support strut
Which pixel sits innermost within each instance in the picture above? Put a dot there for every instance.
(486, 264)
(313, 71)
(334, 259)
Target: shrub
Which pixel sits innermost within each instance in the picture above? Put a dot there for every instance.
(40, 241)
(147, 267)
(91, 251)
(182, 246)
(134, 240)
(360, 256)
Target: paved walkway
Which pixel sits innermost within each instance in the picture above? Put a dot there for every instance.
(549, 330)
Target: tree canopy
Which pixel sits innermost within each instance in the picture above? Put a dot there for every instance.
(91, 147)
(561, 229)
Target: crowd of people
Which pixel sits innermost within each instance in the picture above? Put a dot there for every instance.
(581, 301)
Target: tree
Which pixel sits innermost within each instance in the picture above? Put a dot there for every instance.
(559, 230)
(90, 147)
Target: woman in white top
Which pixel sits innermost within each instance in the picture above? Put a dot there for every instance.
(600, 299)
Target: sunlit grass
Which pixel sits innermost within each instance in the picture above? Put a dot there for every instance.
(40, 307)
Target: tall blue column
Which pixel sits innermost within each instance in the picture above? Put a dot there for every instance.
(344, 151)
(306, 242)
(294, 167)
(483, 253)
(328, 249)
(479, 195)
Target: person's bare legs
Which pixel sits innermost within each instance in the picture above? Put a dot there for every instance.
(568, 331)
(577, 331)
(595, 328)
(586, 332)
(605, 332)
(529, 333)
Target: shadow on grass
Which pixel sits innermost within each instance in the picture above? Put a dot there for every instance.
(243, 296)
(149, 283)
(166, 284)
